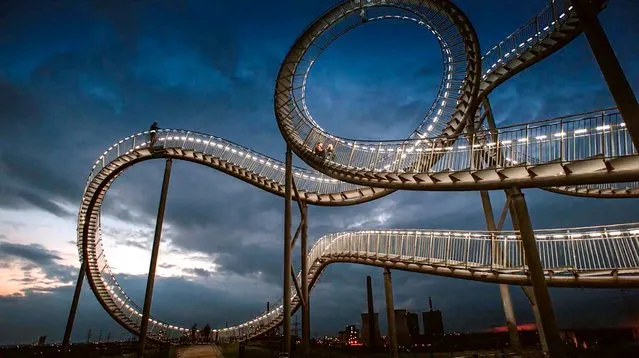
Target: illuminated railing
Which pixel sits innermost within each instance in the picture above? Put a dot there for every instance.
(305, 179)
(126, 308)
(597, 250)
(264, 166)
(527, 36)
(306, 132)
(561, 140)
(337, 23)
(566, 139)
(562, 251)
(634, 185)
(588, 249)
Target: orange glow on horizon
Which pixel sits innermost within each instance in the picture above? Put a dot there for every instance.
(520, 327)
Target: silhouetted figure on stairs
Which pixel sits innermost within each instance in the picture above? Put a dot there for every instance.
(153, 133)
(193, 331)
(206, 332)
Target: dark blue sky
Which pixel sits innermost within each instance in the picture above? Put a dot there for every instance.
(77, 76)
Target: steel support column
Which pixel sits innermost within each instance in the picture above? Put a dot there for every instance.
(286, 300)
(148, 296)
(536, 273)
(511, 321)
(306, 308)
(610, 68)
(540, 329)
(74, 308)
(390, 313)
(529, 292)
(504, 290)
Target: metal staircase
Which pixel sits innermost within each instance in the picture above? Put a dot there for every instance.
(590, 154)
(556, 143)
(553, 28)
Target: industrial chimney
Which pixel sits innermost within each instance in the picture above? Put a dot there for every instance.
(371, 311)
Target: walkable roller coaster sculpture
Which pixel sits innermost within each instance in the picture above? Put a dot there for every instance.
(590, 154)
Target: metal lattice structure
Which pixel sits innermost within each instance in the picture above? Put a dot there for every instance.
(590, 154)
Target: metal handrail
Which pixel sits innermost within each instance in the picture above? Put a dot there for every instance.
(417, 18)
(533, 32)
(563, 139)
(568, 138)
(543, 24)
(307, 56)
(603, 248)
(307, 179)
(562, 251)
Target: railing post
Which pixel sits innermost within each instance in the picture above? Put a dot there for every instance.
(467, 250)
(561, 140)
(395, 166)
(165, 140)
(185, 139)
(472, 151)
(492, 250)
(447, 254)
(350, 157)
(206, 146)
(308, 136)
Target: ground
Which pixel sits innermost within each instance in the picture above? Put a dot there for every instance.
(201, 351)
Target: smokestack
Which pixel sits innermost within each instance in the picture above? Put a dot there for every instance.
(430, 303)
(268, 307)
(371, 311)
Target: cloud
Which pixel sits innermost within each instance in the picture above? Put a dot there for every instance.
(34, 253)
(14, 198)
(32, 267)
(19, 111)
(199, 272)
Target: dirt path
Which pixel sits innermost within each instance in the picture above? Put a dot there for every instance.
(199, 352)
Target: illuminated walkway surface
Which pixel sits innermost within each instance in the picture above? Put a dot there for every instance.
(589, 154)
(198, 351)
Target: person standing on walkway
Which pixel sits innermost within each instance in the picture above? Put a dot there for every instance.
(153, 133)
